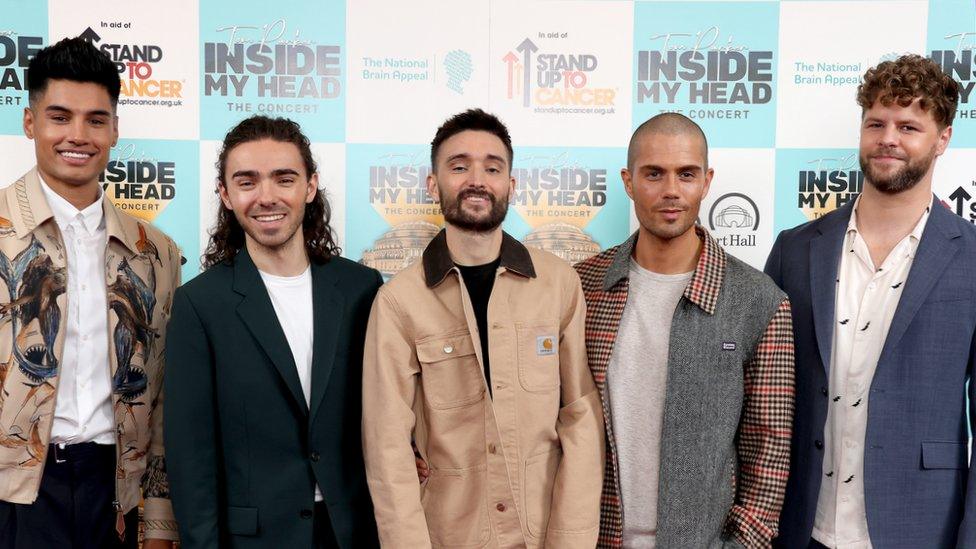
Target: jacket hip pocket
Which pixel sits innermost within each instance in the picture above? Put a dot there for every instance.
(455, 503)
(449, 371)
(540, 480)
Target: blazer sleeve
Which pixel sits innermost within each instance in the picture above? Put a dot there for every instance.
(574, 519)
(190, 422)
(774, 262)
(967, 529)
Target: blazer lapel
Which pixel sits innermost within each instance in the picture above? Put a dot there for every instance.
(328, 312)
(936, 250)
(825, 250)
(258, 314)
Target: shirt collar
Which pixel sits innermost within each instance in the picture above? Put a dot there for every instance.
(705, 283)
(437, 258)
(916, 233)
(92, 217)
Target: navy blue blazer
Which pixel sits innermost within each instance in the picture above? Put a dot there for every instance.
(918, 486)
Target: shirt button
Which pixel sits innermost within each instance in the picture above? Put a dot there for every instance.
(844, 499)
(849, 443)
(871, 286)
(500, 507)
(492, 448)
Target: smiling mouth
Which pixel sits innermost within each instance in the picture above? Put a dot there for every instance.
(74, 155)
(269, 218)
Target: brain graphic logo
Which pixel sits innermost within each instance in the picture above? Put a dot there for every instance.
(458, 67)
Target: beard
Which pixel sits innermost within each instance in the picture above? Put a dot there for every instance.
(465, 220)
(902, 179)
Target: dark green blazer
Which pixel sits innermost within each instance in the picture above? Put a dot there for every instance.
(243, 449)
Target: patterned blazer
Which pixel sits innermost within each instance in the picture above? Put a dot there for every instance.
(736, 420)
(142, 270)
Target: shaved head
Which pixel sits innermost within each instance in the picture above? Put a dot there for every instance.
(669, 123)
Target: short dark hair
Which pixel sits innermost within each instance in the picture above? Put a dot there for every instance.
(668, 123)
(76, 60)
(906, 79)
(227, 237)
(471, 119)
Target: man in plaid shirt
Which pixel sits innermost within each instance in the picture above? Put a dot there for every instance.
(692, 351)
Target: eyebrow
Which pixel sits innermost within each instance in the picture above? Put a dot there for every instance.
(662, 168)
(466, 156)
(254, 173)
(59, 108)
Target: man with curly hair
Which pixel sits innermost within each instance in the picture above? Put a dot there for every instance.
(884, 310)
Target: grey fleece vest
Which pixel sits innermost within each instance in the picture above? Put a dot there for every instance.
(703, 405)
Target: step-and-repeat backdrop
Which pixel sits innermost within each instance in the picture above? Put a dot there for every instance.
(771, 83)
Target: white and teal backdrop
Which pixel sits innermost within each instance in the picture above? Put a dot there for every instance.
(772, 84)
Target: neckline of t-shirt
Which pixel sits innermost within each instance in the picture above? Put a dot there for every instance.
(287, 280)
(635, 268)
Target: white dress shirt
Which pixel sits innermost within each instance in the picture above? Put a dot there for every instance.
(83, 411)
(866, 300)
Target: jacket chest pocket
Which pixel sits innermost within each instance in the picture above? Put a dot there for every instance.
(538, 355)
(449, 371)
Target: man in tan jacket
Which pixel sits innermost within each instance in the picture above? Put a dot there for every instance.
(85, 293)
(476, 355)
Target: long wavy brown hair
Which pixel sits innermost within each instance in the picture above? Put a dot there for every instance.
(227, 237)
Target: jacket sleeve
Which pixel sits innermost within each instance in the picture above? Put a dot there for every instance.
(190, 422)
(967, 529)
(390, 377)
(157, 516)
(574, 516)
(774, 262)
(765, 429)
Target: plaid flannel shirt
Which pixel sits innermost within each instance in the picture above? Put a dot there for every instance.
(765, 428)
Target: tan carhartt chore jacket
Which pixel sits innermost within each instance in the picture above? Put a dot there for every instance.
(521, 468)
(142, 270)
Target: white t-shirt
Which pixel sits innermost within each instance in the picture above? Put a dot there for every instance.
(292, 300)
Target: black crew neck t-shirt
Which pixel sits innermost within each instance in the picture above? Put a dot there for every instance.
(479, 281)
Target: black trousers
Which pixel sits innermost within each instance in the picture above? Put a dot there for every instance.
(74, 508)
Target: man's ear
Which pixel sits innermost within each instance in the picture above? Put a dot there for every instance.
(432, 189)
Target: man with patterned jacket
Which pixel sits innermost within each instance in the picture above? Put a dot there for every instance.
(692, 352)
(85, 293)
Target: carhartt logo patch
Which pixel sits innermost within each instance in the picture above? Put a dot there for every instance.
(545, 345)
(728, 345)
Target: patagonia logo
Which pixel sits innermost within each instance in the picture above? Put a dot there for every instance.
(728, 345)
(545, 345)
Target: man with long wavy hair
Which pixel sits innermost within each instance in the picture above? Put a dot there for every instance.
(266, 351)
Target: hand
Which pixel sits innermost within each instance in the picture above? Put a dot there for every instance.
(158, 544)
(423, 472)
